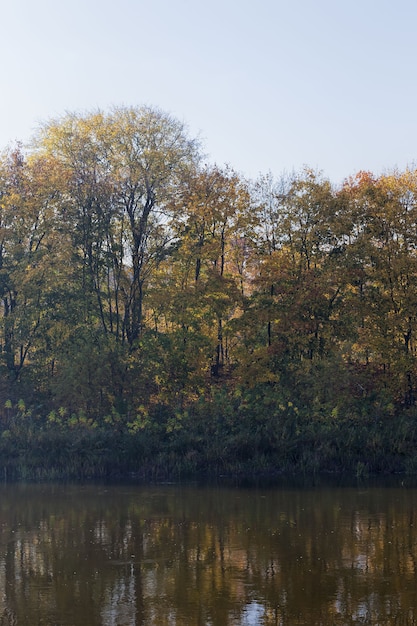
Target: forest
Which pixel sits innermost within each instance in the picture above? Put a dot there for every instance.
(164, 316)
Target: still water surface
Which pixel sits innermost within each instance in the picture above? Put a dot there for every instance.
(125, 555)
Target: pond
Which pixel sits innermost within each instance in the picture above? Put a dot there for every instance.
(128, 554)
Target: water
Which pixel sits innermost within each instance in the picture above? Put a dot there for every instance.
(125, 555)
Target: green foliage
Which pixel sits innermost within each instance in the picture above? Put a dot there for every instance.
(196, 321)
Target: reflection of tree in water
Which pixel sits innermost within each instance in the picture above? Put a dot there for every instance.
(119, 602)
(7, 615)
(202, 556)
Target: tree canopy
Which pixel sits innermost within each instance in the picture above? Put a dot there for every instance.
(140, 285)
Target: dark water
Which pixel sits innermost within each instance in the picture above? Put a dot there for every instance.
(128, 555)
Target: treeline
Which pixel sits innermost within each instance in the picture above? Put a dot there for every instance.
(160, 312)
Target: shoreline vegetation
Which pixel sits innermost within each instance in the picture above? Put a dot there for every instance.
(225, 447)
(164, 317)
(217, 439)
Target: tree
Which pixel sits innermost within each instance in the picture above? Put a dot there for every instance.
(29, 250)
(124, 166)
(215, 205)
(381, 257)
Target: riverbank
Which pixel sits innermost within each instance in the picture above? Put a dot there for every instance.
(210, 442)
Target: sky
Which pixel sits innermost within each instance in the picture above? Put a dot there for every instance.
(268, 85)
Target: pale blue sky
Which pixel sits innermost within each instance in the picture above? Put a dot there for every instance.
(271, 85)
